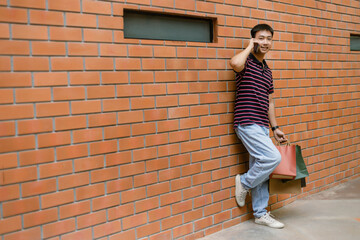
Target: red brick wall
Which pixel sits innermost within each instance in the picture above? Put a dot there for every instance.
(108, 138)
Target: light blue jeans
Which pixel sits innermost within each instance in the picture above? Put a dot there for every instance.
(264, 157)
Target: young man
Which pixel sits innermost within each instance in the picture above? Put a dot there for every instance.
(254, 111)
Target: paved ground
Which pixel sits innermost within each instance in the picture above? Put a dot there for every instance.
(333, 214)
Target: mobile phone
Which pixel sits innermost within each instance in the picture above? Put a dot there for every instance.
(256, 47)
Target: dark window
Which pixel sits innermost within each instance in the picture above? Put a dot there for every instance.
(354, 42)
(161, 26)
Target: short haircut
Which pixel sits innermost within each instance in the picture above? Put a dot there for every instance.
(261, 27)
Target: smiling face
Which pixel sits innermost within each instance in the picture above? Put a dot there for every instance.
(264, 39)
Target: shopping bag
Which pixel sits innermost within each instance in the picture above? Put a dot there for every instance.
(278, 186)
(287, 167)
(301, 170)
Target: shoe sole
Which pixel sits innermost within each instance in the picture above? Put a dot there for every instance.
(264, 224)
(237, 189)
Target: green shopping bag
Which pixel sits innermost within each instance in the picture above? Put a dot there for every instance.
(301, 170)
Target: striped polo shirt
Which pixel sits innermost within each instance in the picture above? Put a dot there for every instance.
(253, 86)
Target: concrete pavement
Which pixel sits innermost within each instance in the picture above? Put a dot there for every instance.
(333, 214)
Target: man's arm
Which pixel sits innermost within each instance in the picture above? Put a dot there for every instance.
(278, 134)
(238, 61)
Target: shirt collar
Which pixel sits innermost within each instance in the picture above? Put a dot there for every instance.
(257, 61)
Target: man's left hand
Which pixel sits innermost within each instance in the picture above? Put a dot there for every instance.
(280, 136)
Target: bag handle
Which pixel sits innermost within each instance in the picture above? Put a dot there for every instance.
(287, 143)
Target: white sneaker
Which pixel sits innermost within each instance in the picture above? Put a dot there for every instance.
(269, 221)
(240, 192)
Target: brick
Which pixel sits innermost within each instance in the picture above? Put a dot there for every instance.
(130, 234)
(54, 139)
(30, 234)
(34, 126)
(183, 230)
(58, 228)
(169, 174)
(96, 7)
(167, 101)
(130, 117)
(159, 213)
(148, 229)
(107, 228)
(81, 107)
(85, 164)
(132, 195)
(65, 34)
(91, 219)
(90, 191)
(132, 169)
(171, 222)
(13, 15)
(50, 79)
(17, 143)
(114, 77)
(55, 169)
(118, 158)
(117, 132)
(140, 51)
(104, 174)
(8, 161)
(80, 20)
(82, 49)
(147, 204)
(99, 64)
(4, 30)
(170, 198)
(177, 88)
(52, 109)
(5, 63)
(73, 180)
(36, 157)
(85, 234)
(66, 123)
(143, 128)
(141, 77)
(50, 17)
(40, 217)
(14, 47)
(33, 95)
(121, 211)
(113, 50)
(66, 5)
(96, 35)
(20, 206)
(131, 143)
(106, 119)
(74, 209)
(10, 225)
(153, 64)
(168, 76)
(67, 64)
(103, 147)
(84, 78)
(87, 135)
(38, 187)
(100, 92)
(106, 202)
(29, 32)
(127, 64)
(7, 128)
(31, 64)
(133, 221)
(158, 139)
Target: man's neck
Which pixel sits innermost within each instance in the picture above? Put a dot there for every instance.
(259, 56)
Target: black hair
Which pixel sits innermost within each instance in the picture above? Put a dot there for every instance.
(261, 27)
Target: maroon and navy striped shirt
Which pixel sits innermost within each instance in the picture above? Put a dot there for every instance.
(253, 86)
